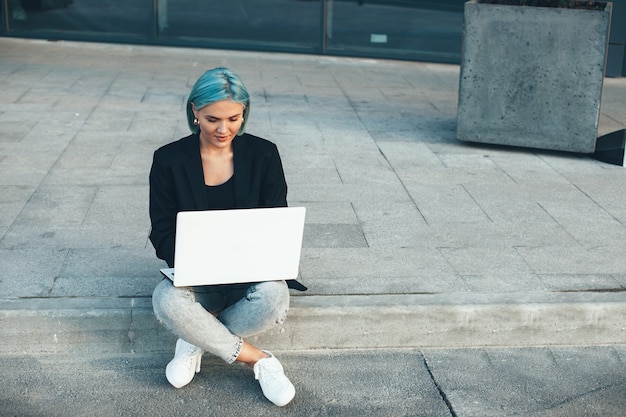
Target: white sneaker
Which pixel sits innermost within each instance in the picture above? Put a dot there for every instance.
(275, 385)
(185, 365)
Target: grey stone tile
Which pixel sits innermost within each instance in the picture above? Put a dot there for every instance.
(371, 265)
(29, 271)
(327, 213)
(552, 260)
(576, 282)
(13, 198)
(503, 281)
(447, 204)
(53, 206)
(101, 272)
(398, 224)
(333, 235)
(501, 262)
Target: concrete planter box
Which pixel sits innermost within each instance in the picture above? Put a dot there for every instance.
(532, 76)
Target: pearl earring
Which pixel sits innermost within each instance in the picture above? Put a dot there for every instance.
(196, 122)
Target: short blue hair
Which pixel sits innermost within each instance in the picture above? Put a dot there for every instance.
(216, 85)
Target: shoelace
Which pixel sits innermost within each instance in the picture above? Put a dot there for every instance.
(189, 355)
(273, 373)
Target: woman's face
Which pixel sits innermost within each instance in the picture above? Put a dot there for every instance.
(219, 123)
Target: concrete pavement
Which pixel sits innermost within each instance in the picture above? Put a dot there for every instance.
(546, 382)
(413, 239)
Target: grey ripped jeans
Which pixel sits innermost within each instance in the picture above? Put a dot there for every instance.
(216, 319)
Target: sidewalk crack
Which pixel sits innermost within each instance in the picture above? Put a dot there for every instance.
(406, 190)
(477, 203)
(58, 275)
(442, 393)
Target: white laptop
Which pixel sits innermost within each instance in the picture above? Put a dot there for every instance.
(237, 246)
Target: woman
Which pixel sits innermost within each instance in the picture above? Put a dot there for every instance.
(218, 167)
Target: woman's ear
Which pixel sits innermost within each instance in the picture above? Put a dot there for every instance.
(193, 109)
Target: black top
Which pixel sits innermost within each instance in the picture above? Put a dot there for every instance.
(221, 197)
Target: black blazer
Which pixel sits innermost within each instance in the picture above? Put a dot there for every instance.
(177, 184)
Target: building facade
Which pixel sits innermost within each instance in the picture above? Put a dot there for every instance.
(419, 30)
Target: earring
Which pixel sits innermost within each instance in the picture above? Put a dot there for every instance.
(196, 122)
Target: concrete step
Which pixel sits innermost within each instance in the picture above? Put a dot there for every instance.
(122, 325)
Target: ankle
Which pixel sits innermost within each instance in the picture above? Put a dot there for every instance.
(250, 355)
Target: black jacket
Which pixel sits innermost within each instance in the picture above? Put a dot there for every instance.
(177, 184)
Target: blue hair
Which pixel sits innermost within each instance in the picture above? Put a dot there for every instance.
(216, 85)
